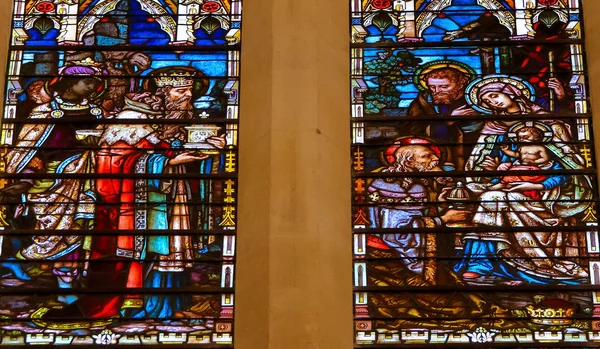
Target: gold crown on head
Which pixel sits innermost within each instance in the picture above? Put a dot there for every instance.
(88, 62)
(175, 79)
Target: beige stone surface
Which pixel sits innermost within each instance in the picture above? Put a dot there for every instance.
(294, 247)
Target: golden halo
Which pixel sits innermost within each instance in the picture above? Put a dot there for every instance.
(472, 91)
(547, 130)
(422, 72)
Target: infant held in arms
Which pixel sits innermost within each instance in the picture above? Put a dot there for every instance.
(529, 157)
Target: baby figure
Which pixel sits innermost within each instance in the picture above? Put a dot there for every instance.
(530, 157)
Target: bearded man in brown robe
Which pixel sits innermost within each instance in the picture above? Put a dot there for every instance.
(444, 96)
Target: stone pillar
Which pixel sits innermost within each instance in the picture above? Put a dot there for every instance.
(294, 281)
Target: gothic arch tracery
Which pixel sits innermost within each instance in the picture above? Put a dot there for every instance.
(153, 7)
(425, 19)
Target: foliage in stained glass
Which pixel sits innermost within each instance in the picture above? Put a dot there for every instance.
(119, 142)
(474, 181)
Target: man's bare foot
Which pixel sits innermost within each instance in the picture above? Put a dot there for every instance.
(471, 275)
(513, 283)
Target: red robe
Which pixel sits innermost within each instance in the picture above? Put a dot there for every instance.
(116, 211)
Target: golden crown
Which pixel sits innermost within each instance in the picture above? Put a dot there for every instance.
(88, 62)
(551, 316)
(175, 79)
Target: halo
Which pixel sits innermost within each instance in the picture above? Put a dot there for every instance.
(472, 91)
(547, 130)
(419, 77)
(388, 155)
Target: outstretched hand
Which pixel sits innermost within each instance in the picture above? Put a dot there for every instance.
(217, 142)
(465, 110)
(452, 35)
(456, 216)
(444, 194)
(490, 164)
(525, 186)
(140, 60)
(187, 157)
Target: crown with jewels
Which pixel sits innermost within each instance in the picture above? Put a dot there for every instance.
(550, 315)
(88, 62)
(175, 79)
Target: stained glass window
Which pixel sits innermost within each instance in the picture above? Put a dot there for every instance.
(119, 173)
(474, 181)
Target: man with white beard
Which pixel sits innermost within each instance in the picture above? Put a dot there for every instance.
(403, 202)
(401, 259)
(167, 199)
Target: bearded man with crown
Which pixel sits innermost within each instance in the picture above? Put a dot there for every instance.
(61, 207)
(130, 204)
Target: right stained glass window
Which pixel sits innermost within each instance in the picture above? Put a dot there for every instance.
(474, 178)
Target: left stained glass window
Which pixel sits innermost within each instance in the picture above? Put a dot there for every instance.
(118, 159)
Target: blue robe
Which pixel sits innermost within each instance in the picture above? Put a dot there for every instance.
(165, 306)
(480, 257)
